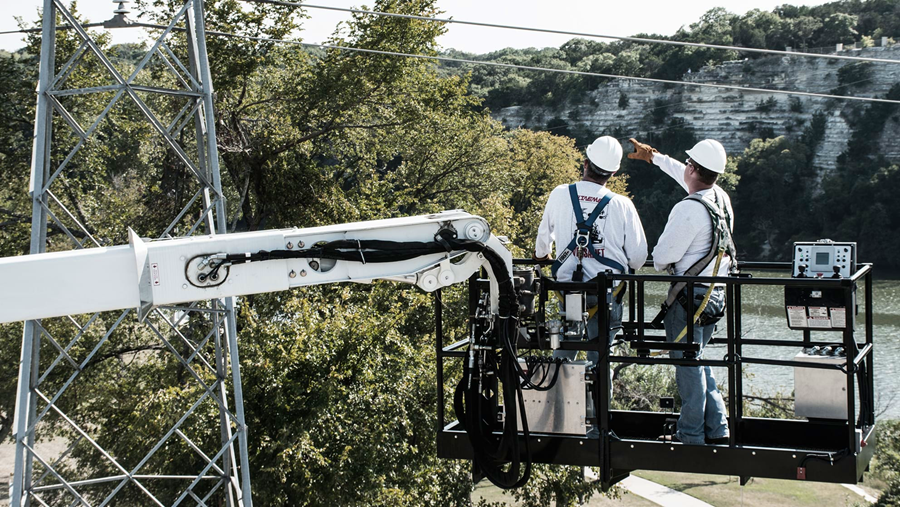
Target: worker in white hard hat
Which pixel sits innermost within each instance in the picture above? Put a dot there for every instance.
(612, 237)
(695, 242)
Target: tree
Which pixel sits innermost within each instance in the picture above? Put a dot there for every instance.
(577, 49)
(839, 27)
(799, 31)
(776, 177)
(757, 29)
(338, 383)
(17, 75)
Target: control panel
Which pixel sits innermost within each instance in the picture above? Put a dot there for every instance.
(824, 259)
(815, 307)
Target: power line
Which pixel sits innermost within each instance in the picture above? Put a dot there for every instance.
(558, 71)
(579, 34)
(38, 30)
(524, 67)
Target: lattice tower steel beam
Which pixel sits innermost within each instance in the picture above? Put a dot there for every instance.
(223, 476)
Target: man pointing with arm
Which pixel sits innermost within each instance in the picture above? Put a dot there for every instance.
(696, 242)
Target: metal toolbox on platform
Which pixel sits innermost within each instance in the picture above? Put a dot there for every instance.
(818, 393)
(564, 408)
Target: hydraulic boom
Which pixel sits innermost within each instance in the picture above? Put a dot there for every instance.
(429, 251)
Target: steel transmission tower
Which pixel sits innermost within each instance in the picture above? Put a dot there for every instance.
(199, 340)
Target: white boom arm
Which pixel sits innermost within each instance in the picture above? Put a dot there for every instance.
(145, 275)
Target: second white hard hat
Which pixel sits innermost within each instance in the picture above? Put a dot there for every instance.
(606, 153)
(710, 154)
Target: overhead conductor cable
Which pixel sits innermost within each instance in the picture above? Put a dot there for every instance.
(558, 71)
(545, 69)
(644, 40)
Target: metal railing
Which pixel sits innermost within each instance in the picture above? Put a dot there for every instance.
(638, 333)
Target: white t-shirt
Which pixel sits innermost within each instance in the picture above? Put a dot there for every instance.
(688, 233)
(617, 233)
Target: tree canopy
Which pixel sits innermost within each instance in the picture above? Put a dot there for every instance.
(339, 381)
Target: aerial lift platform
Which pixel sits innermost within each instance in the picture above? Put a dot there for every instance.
(834, 443)
(563, 413)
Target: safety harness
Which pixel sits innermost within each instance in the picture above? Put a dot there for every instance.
(722, 243)
(581, 243)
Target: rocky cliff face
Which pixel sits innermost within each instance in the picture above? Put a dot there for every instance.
(736, 117)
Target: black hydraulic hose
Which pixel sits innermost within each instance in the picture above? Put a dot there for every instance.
(349, 250)
(490, 453)
(532, 362)
(830, 458)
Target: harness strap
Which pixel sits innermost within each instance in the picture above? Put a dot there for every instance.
(582, 239)
(722, 241)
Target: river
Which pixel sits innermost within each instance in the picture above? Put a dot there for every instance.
(763, 317)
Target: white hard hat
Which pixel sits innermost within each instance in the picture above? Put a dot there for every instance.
(606, 153)
(710, 154)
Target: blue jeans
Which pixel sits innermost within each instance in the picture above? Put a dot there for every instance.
(702, 408)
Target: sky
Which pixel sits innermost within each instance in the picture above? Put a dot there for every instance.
(587, 16)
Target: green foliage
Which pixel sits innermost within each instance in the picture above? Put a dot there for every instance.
(18, 75)
(815, 131)
(340, 391)
(840, 27)
(660, 111)
(339, 382)
(782, 167)
(758, 29)
(885, 465)
(891, 496)
(554, 485)
(639, 387)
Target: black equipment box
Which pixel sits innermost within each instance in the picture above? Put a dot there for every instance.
(818, 309)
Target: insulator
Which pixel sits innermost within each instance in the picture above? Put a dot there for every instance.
(122, 10)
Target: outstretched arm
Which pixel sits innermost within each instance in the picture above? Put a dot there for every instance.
(672, 167)
(650, 155)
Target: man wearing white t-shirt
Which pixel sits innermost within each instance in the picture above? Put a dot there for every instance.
(697, 238)
(612, 236)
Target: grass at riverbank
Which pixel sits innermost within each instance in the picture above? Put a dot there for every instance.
(490, 493)
(725, 491)
(721, 491)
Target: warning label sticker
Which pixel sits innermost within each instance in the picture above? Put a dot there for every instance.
(796, 316)
(818, 317)
(154, 273)
(838, 317)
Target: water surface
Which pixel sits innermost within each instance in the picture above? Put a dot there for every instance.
(763, 317)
